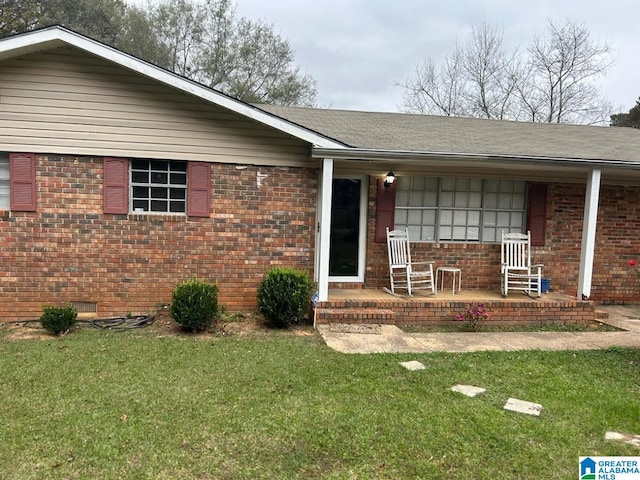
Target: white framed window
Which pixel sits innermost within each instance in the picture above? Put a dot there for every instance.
(4, 181)
(454, 209)
(158, 186)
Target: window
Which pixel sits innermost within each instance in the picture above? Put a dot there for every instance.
(459, 209)
(18, 182)
(4, 181)
(161, 186)
(158, 186)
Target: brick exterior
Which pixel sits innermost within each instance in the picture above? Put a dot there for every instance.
(616, 243)
(434, 312)
(68, 250)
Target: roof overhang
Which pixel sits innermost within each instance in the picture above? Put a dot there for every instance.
(467, 159)
(57, 36)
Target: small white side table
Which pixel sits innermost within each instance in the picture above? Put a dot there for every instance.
(454, 271)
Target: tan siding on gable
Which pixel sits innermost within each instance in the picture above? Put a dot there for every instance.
(67, 102)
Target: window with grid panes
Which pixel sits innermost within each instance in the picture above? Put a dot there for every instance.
(4, 181)
(451, 209)
(158, 186)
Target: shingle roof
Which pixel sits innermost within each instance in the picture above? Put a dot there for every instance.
(426, 133)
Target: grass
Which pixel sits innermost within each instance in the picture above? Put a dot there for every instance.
(98, 404)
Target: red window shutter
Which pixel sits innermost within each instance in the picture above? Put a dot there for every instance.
(115, 187)
(22, 182)
(385, 209)
(199, 189)
(538, 213)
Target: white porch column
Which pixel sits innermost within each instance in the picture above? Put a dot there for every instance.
(589, 234)
(326, 187)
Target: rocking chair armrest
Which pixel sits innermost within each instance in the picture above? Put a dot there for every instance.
(422, 263)
(506, 266)
(537, 265)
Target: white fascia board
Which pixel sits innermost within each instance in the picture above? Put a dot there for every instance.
(57, 36)
(366, 154)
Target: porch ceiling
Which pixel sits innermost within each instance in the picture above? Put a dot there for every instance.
(486, 169)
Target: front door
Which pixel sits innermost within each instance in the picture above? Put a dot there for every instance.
(346, 246)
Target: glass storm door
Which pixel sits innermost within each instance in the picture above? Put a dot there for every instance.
(346, 244)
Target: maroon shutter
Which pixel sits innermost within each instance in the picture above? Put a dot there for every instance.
(115, 187)
(22, 181)
(537, 213)
(385, 209)
(199, 189)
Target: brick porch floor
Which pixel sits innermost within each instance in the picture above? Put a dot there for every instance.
(377, 306)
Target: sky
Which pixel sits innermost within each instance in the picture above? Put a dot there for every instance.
(358, 50)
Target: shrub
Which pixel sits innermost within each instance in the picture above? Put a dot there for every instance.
(474, 315)
(283, 296)
(194, 304)
(58, 319)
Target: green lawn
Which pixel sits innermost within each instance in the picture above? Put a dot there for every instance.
(96, 404)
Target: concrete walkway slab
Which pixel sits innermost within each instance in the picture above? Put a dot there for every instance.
(413, 365)
(629, 438)
(468, 390)
(522, 406)
(390, 339)
(626, 317)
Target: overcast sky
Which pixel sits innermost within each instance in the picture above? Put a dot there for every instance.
(357, 49)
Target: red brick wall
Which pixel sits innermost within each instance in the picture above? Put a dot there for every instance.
(70, 251)
(617, 242)
(433, 312)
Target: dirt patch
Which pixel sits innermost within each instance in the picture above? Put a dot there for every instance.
(161, 325)
(230, 324)
(29, 330)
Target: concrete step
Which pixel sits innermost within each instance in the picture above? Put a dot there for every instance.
(355, 315)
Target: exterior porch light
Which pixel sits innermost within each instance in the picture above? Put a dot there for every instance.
(389, 179)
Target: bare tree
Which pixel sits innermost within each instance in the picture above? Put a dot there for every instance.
(489, 73)
(554, 81)
(437, 89)
(563, 67)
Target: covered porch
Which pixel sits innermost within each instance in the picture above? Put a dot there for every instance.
(376, 306)
(455, 184)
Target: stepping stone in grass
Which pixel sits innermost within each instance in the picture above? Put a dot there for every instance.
(413, 365)
(629, 438)
(468, 390)
(522, 406)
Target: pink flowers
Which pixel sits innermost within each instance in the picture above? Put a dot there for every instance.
(632, 263)
(473, 315)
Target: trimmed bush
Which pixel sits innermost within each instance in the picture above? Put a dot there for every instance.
(58, 319)
(194, 304)
(283, 296)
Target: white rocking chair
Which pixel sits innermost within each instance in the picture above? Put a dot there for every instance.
(403, 273)
(517, 271)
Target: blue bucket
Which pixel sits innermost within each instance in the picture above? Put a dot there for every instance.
(546, 285)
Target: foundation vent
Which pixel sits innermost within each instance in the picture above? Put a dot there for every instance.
(85, 308)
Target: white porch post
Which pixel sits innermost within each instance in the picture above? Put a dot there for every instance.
(326, 186)
(589, 234)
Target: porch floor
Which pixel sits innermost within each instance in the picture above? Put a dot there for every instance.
(369, 305)
(373, 294)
